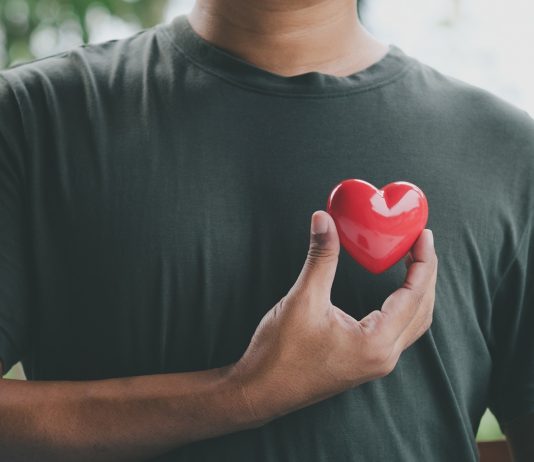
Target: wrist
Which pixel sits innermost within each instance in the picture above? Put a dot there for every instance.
(244, 397)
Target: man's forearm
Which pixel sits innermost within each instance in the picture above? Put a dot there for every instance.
(305, 349)
(117, 419)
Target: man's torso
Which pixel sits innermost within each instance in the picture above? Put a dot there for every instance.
(169, 210)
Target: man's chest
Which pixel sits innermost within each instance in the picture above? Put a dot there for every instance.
(174, 243)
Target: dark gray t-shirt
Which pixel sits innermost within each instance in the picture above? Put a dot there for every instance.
(155, 201)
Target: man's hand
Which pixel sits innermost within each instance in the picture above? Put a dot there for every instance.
(305, 349)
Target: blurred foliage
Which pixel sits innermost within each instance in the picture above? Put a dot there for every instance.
(489, 429)
(22, 20)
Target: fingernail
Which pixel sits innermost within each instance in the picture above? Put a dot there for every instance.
(319, 223)
(431, 237)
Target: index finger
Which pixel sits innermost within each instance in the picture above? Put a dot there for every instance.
(400, 308)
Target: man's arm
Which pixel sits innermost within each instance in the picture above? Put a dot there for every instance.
(304, 350)
(117, 419)
(520, 436)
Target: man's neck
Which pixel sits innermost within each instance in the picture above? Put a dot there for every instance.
(289, 37)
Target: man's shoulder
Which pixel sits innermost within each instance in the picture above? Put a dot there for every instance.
(482, 112)
(105, 64)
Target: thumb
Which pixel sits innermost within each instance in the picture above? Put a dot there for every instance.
(319, 269)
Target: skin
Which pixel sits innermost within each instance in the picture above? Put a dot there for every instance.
(290, 38)
(303, 351)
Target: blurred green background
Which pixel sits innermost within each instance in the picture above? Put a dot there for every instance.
(32, 28)
(29, 26)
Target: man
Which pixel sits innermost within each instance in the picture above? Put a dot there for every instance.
(155, 197)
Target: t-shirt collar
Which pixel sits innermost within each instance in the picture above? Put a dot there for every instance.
(235, 69)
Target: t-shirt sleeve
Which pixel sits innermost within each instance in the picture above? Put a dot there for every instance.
(14, 263)
(512, 342)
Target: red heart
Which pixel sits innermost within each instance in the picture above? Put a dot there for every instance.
(377, 227)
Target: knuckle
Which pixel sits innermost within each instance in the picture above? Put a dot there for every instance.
(277, 309)
(388, 368)
(378, 357)
(388, 364)
(371, 328)
(424, 327)
(298, 296)
(417, 296)
(317, 252)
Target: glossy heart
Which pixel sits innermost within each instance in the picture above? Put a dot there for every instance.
(377, 227)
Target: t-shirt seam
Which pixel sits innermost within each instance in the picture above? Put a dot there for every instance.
(24, 129)
(517, 251)
(15, 348)
(251, 88)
